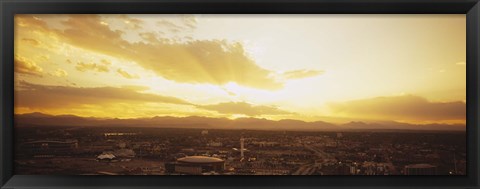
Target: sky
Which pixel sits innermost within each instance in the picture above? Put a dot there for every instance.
(407, 68)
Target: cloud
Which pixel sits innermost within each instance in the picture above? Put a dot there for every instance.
(30, 22)
(201, 61)
(44, 96)
(214, 62)
(244, 108)
(126, 74)
(43, 57)
(405, 107)
(190, 21)
(83, 67)
(92, 35)
(60, 73)
(30, 41)
(26, 66)
(217, 62)
(136, 87)
(184, 23)
(300, 74)
(132, 23)
(149, 37)
(168, 24)
(105, 62)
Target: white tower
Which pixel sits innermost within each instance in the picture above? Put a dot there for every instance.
(242, 146)
(455, 162)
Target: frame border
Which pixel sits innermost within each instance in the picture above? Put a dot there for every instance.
(8, 8)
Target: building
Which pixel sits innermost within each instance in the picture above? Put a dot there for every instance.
(339, 135)
(106, 156)
(118, 134)
(51, 148)
(196, 165)
(124, 153)
(215, 144)
(420, 169)
(263, 144)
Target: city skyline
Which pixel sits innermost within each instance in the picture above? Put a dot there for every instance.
(340, 68)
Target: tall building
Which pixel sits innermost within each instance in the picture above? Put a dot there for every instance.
(242, 147)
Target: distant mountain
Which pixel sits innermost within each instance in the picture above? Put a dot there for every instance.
(40, 119)
(45, 119)
(36, 115)
(392, 125)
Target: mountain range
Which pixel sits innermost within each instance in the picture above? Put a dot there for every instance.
(40, 119)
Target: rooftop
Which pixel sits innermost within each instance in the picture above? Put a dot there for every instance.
(199, 159)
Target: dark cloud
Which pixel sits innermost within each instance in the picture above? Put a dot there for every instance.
(407, 107)
(244, 108)
(43, 96)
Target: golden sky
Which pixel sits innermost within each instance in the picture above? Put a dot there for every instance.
(408, 68)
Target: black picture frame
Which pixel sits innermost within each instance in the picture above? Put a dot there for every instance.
(8, 8)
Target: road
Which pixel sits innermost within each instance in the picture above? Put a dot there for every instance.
(309, 169)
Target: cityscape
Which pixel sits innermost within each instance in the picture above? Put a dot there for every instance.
(110, 150)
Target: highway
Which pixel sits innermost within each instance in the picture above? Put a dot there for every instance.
(309, 169)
